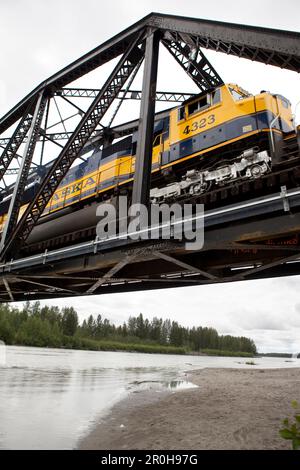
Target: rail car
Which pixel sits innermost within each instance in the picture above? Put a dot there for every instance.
(211, 140)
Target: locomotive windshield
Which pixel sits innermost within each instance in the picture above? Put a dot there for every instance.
(237, 93)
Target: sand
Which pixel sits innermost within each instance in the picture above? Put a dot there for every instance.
(231, 409)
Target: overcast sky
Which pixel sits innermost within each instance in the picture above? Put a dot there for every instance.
(38, 37)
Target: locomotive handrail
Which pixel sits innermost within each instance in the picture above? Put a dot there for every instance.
(272, 125)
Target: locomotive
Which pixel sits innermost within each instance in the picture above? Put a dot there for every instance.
(212, 140)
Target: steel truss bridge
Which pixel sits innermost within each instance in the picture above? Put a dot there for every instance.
(250, 239)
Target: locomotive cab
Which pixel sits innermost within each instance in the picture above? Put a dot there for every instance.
(228, 116)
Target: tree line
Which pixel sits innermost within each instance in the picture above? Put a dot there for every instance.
(50, 326)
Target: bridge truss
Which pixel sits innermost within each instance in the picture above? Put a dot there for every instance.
(258, 238)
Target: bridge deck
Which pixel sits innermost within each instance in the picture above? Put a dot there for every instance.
(250, 240)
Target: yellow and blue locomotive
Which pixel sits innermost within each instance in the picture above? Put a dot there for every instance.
(212, 139)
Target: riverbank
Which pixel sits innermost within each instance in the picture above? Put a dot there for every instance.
(87, 344)
(230, 409)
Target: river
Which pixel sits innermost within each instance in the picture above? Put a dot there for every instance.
(50, 398)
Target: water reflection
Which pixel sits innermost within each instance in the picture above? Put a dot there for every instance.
(180, 385)
(174, 385)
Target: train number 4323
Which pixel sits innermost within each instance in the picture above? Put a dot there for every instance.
(199, 124)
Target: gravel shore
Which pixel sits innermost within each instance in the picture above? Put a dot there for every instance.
(230, 409)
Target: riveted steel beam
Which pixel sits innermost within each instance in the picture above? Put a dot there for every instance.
(13, 144)
(7, 287)
(168, 96)
(186, 51)
(143, 161)
(264, 267)
(109, 274)
(185, 265)
(270, 46)
(17, 196)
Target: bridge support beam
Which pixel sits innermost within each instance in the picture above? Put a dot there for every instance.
(13, 144)
(16, 200)
(142, 176)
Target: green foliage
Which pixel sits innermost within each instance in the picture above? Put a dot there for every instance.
(221, 352)
(106, 345)
(69, 321)
(49, 326)
(37, 332)
(291, 430)
(7, 333)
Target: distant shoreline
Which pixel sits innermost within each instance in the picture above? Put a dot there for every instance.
(230, 409)
(157, 349)
(111, 346)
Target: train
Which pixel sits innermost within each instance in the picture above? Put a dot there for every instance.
(214, 139)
